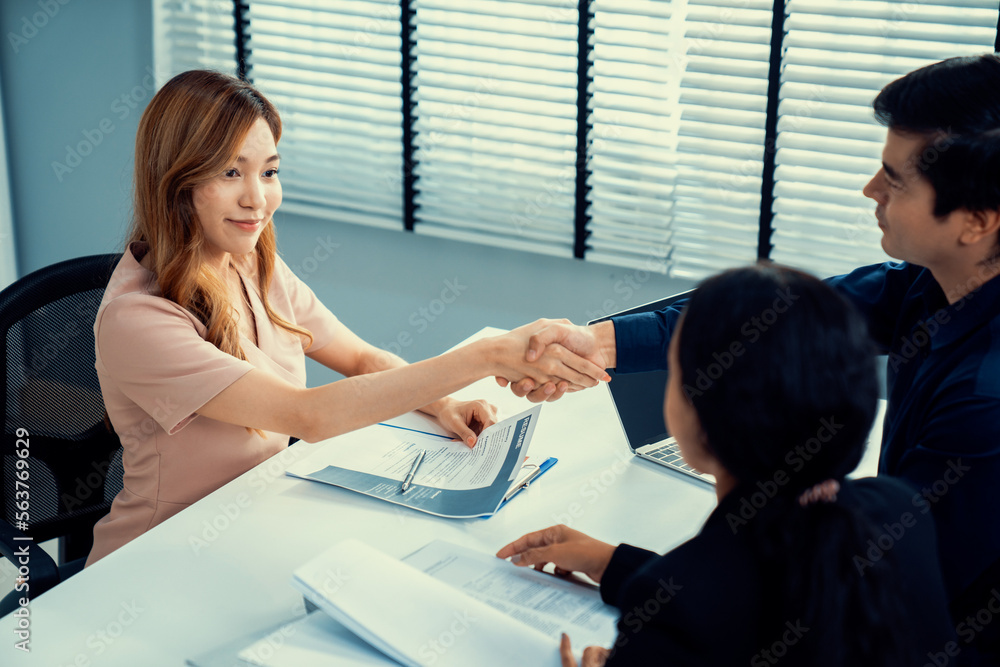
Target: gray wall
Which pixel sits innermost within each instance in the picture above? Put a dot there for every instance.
(73, 79)
(64, 86)
(393, 289)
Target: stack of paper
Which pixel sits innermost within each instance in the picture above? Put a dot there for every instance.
(443, 605)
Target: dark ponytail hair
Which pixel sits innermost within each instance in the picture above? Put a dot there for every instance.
(792, 407)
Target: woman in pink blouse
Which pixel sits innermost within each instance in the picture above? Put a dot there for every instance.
(202, 334)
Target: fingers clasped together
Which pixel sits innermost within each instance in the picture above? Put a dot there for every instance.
(556, 357)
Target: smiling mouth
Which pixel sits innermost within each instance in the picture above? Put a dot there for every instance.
(879, 219)
(249, 225)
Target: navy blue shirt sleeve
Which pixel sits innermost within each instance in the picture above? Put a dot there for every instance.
(626, 560)
(878, 291)
(642, 340)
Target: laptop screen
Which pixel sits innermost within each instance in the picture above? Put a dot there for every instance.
(638, 397)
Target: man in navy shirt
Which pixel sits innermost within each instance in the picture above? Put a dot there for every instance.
(936, 315)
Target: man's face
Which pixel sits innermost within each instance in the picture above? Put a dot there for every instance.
(905, 206)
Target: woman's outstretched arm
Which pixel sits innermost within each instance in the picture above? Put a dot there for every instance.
(376, 389)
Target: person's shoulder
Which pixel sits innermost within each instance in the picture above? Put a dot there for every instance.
(135, 310)
(722, 551)
(882, 489)
(887, 501)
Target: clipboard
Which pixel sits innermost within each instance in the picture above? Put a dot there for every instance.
(533, 473)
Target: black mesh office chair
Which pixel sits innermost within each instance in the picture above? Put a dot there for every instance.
(60, 467)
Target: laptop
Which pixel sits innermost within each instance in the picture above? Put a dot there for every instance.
(638, 400)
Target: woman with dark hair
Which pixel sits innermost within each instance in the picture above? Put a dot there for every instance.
(797, 564)
(203, 331)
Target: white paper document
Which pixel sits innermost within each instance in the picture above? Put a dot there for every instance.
(543, 601)
(315, 640)
(442, 605)
(412, 617)
(451, 480)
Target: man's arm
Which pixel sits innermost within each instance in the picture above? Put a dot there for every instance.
(629, 344)
(878, 292)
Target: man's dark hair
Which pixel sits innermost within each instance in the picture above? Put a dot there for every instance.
(955, 105)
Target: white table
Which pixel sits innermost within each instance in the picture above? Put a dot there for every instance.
(221, 569)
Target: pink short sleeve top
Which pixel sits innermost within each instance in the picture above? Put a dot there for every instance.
(156, 370)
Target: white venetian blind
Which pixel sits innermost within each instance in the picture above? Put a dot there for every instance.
(637, 69)
(680, 90)
(721, 146)
(839, 55)
(192, 34)
(333, 70)
(495, 143)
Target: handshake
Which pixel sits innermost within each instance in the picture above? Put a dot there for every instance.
(547, 358)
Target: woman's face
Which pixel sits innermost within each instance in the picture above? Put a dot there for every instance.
(681, 417)
(233, 208)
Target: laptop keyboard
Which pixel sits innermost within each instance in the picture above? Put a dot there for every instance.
(669, 455)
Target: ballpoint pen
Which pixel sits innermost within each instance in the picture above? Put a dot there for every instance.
(413, 471)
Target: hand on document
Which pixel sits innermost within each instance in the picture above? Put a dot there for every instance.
(569, 550)
(593, 656)
(466, 419)
(556, 356)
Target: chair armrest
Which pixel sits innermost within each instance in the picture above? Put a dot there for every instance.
(42, 571)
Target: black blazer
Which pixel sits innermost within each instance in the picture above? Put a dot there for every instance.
(709, 601)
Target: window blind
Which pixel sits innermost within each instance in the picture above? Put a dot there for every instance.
(676, 98)
(680, 91)
(333, 71)
(638, 66)
(495, 130)
(192, 34)
(838, 56)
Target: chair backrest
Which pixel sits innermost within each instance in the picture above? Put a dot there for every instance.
(55, 442)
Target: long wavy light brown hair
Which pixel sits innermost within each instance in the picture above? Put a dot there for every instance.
(191, 132)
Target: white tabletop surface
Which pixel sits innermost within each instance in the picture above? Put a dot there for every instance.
(221, 569)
